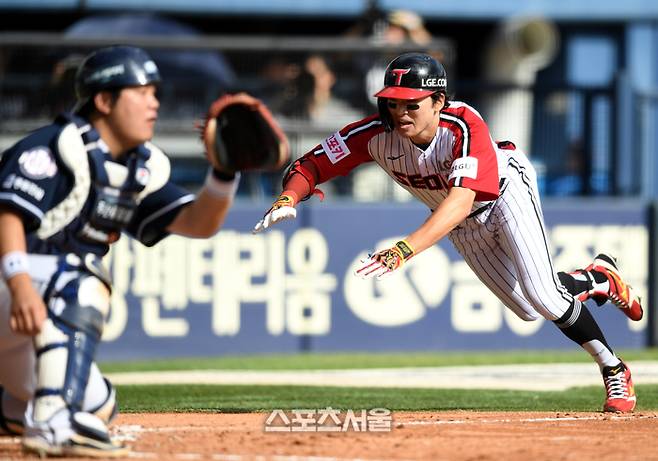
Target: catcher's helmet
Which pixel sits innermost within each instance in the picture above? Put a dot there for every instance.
(413, 76)
(113, 68)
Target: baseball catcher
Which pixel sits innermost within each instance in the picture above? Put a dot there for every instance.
(67, 192)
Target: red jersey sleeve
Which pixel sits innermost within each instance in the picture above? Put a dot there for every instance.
(344, 150)
(475, 164)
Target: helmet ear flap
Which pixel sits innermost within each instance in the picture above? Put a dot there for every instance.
(384, 114)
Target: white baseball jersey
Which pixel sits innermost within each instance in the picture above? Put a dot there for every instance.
(503, 240)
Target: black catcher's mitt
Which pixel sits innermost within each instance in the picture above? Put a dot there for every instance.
(240, 134)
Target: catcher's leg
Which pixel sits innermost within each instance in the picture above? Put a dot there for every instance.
(18, 364)
(100, 400)
(17, 379)
(66, 348)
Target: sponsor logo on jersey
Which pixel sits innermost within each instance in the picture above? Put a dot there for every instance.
(99, 235)
(464, 167)
(433, 82)
(37, 163)
(398, 75)
(335, 148)
(114, 212)
(21, 184)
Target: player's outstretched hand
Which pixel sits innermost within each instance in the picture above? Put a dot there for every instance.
(282, 209)
(382, 264)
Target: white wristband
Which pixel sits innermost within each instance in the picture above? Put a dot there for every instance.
(221, 189)
(13, 263)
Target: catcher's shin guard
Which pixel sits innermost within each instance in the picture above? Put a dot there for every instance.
(66, 346)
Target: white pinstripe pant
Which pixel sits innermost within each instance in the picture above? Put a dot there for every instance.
(509, 250)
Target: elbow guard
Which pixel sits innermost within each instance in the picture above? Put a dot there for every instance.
(297, 168)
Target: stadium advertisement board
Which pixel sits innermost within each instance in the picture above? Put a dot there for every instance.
(292, 288)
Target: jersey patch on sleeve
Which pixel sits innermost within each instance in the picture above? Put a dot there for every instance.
(37, 163)
(335, 148)
(464, 167)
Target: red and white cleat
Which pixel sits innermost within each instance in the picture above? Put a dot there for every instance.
(619, 389)
(619, 292)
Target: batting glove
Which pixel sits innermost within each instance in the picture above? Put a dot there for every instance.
(381, 264)
(282, 209)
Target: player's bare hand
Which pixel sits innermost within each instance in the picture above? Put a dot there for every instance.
(282, 209)
(28, 310)
(383, 263)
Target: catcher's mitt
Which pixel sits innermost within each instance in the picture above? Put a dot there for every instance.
(240, 134)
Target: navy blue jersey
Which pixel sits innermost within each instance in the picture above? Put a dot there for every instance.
(74, 198)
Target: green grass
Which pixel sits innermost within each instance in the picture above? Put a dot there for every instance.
(220, 398)
(317, 361)
(238, 399)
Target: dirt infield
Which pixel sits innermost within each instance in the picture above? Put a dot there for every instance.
(455, 436)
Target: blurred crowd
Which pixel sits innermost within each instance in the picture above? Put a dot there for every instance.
(310, 92)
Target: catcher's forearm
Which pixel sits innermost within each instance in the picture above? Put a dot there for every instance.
(12, 237)
(204, 217)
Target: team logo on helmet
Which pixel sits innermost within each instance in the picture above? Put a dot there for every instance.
(398, 75)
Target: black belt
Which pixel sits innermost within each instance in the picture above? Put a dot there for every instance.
(482, 209)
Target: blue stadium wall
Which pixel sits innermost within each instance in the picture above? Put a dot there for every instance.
(292, 289)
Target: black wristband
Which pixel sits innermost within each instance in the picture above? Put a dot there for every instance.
(223, 176)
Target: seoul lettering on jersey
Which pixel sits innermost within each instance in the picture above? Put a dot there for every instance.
(430, 182)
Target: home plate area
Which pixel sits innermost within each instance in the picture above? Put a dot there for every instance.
(454, 435)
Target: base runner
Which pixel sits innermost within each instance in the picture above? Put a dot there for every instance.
(483, 196)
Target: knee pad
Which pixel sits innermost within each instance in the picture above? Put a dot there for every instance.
(66, 346)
